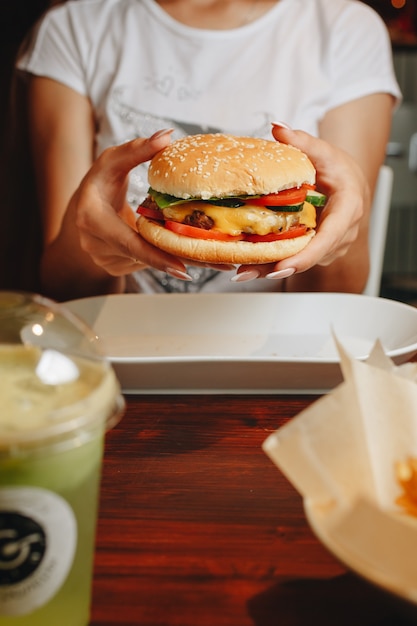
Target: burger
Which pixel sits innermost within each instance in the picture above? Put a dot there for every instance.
(218, 198)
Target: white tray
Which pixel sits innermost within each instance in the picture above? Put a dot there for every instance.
(242, 343)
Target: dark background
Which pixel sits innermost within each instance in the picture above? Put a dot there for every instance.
(16, 17)
(401, 22)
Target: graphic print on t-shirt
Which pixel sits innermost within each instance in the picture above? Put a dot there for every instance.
(140, 123)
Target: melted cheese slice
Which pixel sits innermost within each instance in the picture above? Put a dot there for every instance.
(251, 219)
(308, 215)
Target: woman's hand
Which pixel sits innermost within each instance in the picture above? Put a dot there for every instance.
(342, 180)
(105, 223)
(98, 244)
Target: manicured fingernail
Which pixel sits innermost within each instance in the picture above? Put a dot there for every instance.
(178, 274)
(281, 125)
(161, 133)
(245, 276)
(289, 271)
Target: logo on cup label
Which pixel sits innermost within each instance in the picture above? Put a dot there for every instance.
(38, 538)
(22, 547)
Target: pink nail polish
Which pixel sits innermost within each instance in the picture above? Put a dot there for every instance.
(178, 274)
(161, 133)
(245, 276)
(289, 271)
(281, 125)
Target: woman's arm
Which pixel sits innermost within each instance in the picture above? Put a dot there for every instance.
(90, 242)
(62, 135)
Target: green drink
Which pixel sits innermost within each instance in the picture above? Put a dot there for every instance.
(54, 411)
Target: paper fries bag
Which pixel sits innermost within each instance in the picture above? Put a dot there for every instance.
(346, 444)
(341, 455)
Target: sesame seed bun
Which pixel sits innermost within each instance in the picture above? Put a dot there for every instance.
(218, 165)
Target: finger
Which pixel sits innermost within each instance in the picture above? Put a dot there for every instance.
(336, 170)
(119, 160)
(319, 152)
(119, 240)
(317, 149)
(331, 241)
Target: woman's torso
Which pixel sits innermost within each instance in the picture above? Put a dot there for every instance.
(144, 71)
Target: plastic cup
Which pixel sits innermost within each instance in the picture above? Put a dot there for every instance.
(58, 397)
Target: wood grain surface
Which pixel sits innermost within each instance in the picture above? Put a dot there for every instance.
(197, 527)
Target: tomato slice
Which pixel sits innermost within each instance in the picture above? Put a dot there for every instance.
(153, 214)
(200, 233)
(282, 198)
(295, 231)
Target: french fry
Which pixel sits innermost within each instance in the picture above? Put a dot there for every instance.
(406, 473)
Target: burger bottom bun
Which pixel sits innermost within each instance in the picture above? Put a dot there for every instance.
(214, 251)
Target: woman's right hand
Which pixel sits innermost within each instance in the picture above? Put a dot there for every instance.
(105, 223)
(98, 244)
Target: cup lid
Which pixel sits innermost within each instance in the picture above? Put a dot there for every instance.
(53, 379)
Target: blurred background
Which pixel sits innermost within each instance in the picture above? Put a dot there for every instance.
(400, 262)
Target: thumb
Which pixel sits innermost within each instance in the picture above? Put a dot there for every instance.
(314, 147)
(121, 159)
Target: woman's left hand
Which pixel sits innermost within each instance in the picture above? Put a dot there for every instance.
(348, 198)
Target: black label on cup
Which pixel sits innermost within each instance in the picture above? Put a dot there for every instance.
(38, 539)
(22, 547)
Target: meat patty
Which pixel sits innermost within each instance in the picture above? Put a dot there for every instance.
(200, 220)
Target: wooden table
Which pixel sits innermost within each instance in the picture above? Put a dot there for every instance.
(197, 527)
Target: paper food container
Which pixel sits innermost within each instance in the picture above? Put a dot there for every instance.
(343, 453)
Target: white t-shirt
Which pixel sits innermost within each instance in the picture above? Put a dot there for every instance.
(144, 71)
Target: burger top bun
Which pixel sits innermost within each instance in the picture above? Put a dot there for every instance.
(219, 165)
